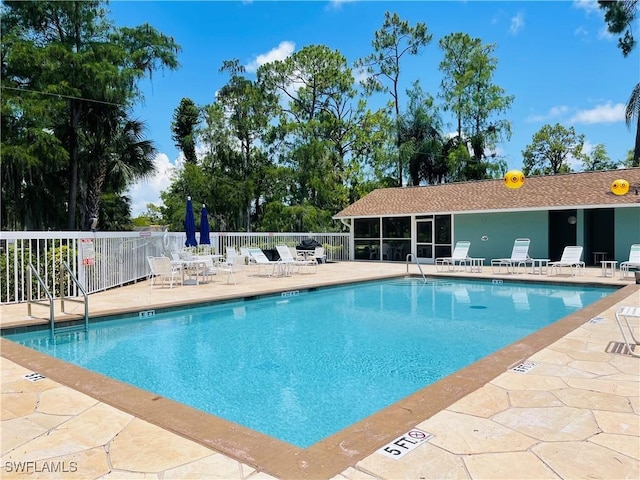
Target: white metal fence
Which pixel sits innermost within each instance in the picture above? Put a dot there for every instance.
(103, 260)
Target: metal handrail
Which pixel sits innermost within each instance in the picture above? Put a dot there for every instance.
(411, 256)
(85, 299)
(33, 271)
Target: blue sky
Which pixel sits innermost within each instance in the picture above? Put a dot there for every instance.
(555, 57)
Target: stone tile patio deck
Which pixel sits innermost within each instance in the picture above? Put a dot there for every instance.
(576, 414)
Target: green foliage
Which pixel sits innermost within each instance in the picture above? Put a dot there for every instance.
(275, 158)
(296, 218)
(551, 149)
(599, 160)
(420, 140)
(395, 39)
(64, 132)
(115, 213)
(458, 158)
(51, 262)
(619, 16)
(183, 128)
(469, 92)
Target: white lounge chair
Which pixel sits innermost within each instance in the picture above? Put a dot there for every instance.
(633, 262)
(162, 269)
(624, 313)
(460, 256)
(287, 258)
(520, 299)
(519, 257)
(572, 258)
(261, 260)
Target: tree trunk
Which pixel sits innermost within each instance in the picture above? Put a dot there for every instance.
(636, 150)
(94, 192)
(73, 164)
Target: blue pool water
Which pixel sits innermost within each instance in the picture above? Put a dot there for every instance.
(304, 365)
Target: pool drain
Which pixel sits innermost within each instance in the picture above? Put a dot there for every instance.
(34, 376)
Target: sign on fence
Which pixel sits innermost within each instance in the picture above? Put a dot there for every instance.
(88, 252)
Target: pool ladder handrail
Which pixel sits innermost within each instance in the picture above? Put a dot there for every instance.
(31, 301)
(84, 300)
(410, 257)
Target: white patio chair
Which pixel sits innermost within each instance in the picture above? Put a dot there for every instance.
(231, 252)
(460, 256)
(236, 265)
(633, 262)
(572, 258)
(519, 257)
(318, 256)
(162, 269)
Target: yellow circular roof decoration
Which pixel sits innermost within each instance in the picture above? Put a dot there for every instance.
(514, 179)
(619, 187)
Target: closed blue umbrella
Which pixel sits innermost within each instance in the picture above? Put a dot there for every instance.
(190, 225)
(204, 227)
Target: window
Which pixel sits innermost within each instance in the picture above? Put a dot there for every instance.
(396, 227)
(366, 228)
(443, 229)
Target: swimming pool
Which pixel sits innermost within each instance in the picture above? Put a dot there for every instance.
(303, 365)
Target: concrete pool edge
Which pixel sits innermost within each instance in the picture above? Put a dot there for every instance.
(330, 456)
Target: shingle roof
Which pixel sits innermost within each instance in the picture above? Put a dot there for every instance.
(552, 192)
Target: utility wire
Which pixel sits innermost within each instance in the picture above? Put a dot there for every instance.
(61, 95)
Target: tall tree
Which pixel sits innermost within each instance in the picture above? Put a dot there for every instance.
(183, 128)
(315, 85)
(121, 155)
(393, 41)
(620, 16)
(250, 108)
(421, 140)
(469, 93)
(551, 149)
(599, 160)
(632, 111)
(71, 51)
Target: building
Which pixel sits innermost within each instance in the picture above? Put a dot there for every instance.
(553, 211)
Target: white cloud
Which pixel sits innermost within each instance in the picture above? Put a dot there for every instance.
(589, 6)
(605, 34)
(604, 113)
(282, 51)
(337, 4)
(581, 32)
(148, 191)
(360, 75)
(607, 113)
(516, 24)
(554, 113)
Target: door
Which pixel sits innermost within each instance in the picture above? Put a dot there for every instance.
(562, 231)
(599, 236)
(424, 240)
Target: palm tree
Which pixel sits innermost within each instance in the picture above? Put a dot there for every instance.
(633, 110)
(620, 16)
(117, 155)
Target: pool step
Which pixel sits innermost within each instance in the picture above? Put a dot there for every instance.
(419, 281)
(69, 329)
